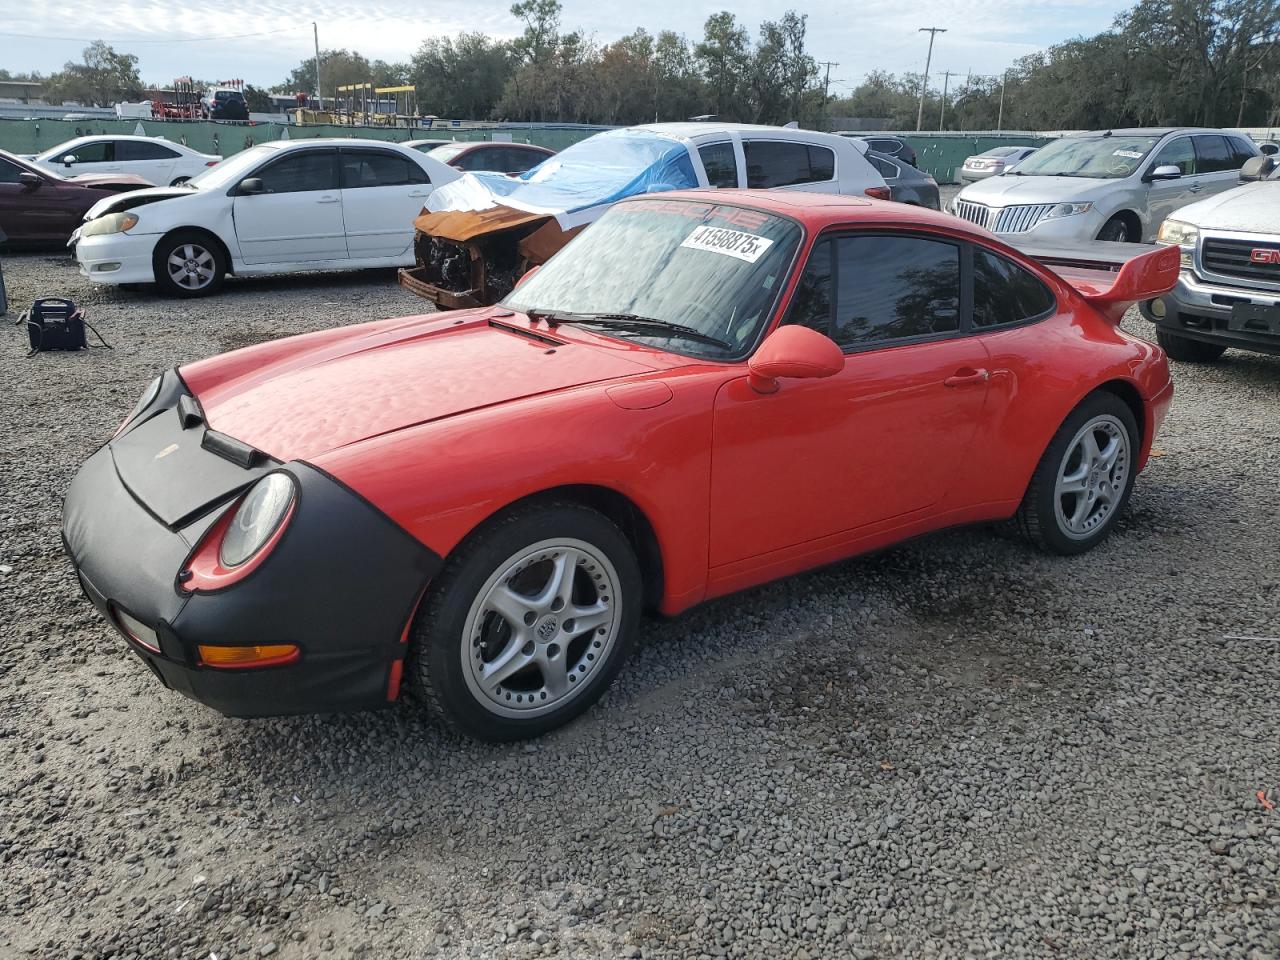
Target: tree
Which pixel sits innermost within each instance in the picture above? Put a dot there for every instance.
(722, 54)
(257, 99)
(462, 77)
(102, 80)
(541, 29)
(339, 68)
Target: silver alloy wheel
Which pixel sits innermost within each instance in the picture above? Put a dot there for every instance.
(543, 622)
(1092, 477)
(191, 266)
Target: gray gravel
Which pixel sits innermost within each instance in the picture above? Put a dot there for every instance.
(956, 748)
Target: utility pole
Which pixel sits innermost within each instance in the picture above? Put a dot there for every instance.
(826, 82)
(946, 80)
(1000, 117)
(924, 84)
(315, 33)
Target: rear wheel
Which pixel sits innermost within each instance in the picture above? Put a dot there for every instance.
(1188, 350)
(188, 263)
(528, 623)
(1084, 479)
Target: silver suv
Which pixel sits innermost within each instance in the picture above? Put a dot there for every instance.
(1106, 184)
(1229, 291)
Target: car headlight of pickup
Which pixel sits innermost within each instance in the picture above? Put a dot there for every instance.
(1059, 210)
(1182, 234)
(111, 223)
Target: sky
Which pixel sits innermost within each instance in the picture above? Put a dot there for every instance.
(261, 42)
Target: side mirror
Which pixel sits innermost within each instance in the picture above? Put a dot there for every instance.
(528, 273)
(250, 186)
(69, 159)
(29, 179)
(1166, 171)
(1257, 168)
(793, 352)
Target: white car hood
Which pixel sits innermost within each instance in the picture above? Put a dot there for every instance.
(136, 198)
(1251, 208)
(1008, 189)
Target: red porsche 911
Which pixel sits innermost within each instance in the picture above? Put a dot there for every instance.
(702, 392)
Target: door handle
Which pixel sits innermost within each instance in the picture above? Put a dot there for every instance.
(1195, 188)
(327, 200)
(420, 193)
(967, 377)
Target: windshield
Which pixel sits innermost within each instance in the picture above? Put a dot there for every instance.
(1106, 158)
(714, 268)
(233, 168)
(447, 152)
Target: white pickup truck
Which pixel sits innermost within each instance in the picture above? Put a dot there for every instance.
(1228, 294)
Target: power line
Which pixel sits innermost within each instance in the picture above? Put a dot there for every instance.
(239, 36)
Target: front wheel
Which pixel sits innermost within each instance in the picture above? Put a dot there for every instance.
(1116, 230)
(188, 264)
(528, 623)
(1084, 479)
(1187, 350)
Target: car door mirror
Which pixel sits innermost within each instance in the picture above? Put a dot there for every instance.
(29, 180)
(793, 352)
(69, 159)
(1166, 171)
(251, 186)
(1257, 168)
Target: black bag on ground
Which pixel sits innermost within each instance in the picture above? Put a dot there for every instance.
(55, 323)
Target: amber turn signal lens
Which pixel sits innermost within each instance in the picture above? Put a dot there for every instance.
(264, 655)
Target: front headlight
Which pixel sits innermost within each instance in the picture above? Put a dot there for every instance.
(1059, 210)
(1178, 232)
(111, 223)
(258, 517)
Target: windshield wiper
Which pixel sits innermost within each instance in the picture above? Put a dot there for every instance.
(631, 321)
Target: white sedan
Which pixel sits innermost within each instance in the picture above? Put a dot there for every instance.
(281, 207)
(157, 161)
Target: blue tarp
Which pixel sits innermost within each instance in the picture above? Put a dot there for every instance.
(600, 170)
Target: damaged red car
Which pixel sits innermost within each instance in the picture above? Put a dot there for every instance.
(700, 393)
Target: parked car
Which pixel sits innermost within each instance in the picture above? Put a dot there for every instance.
(224, 104)
(158, 162)
(906, 184)
(279, 207)
(496, 157)
(1269, 148)
(680, 404)
(894, 147)
(1228, 294)
(480, 234)
(993, 162)
(38, 206)
(1106, 184)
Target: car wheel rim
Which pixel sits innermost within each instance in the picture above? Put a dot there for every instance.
(541, 627)
(1092, 477)
(191, 266)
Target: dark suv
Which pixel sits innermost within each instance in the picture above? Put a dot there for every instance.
(225, 105)
(894, 147)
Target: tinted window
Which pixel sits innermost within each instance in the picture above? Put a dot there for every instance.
(100, 151)
(721, 166)
(1242, 151)
(299, 172)
(373, 168)
(1213, 155)
(1178, 153)
(519, 160)
(886, 168)
(10, 172)
(137, 150)
(476, 158)
(885, 146)
(774, 163)
(1004, 293)
(886, 288)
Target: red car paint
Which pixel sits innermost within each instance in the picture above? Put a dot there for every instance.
(48, 208)
(441, 421)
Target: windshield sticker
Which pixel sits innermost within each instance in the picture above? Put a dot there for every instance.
(733, 243)
(1131, 154)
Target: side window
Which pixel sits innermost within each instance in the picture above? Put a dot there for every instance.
(1004, 293)
(475, 159)
(1213, 155)
(1241, 150)
(1180, 154)
(373, 168)
(100, 151)
(885, 168)
(720, 164)
(301, 172)
(138, 150)
(519, 160)
(811, 303)
(10, 172)
(890, 147)
(893, 287)
(776, 163)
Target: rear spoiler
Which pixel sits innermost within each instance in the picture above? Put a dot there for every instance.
(1111, 276)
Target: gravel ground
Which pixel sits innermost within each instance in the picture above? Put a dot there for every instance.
(957, 748)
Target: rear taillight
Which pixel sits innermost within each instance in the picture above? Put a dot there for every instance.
(879, 193)
(211, 163)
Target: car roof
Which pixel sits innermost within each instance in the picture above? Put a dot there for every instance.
(1147, 131)
(819, 210)
(686, 130)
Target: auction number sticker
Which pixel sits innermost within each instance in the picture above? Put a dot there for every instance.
(1131, 154)
(733, 243)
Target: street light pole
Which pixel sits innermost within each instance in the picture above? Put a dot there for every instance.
(946, 81)
(924, 84)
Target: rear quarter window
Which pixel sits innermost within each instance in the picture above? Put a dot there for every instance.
(1004, 294)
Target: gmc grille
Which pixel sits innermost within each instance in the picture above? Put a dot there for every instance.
(1231, 258)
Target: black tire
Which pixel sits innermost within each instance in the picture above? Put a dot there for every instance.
(179, 181)
(1040, 517)
(436, 658)
(201, 245)
(1116, 230)
(1187, 350)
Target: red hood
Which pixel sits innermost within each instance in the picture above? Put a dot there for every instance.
(297, 398)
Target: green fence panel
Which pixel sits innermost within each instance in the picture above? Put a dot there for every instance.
(942, 155)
